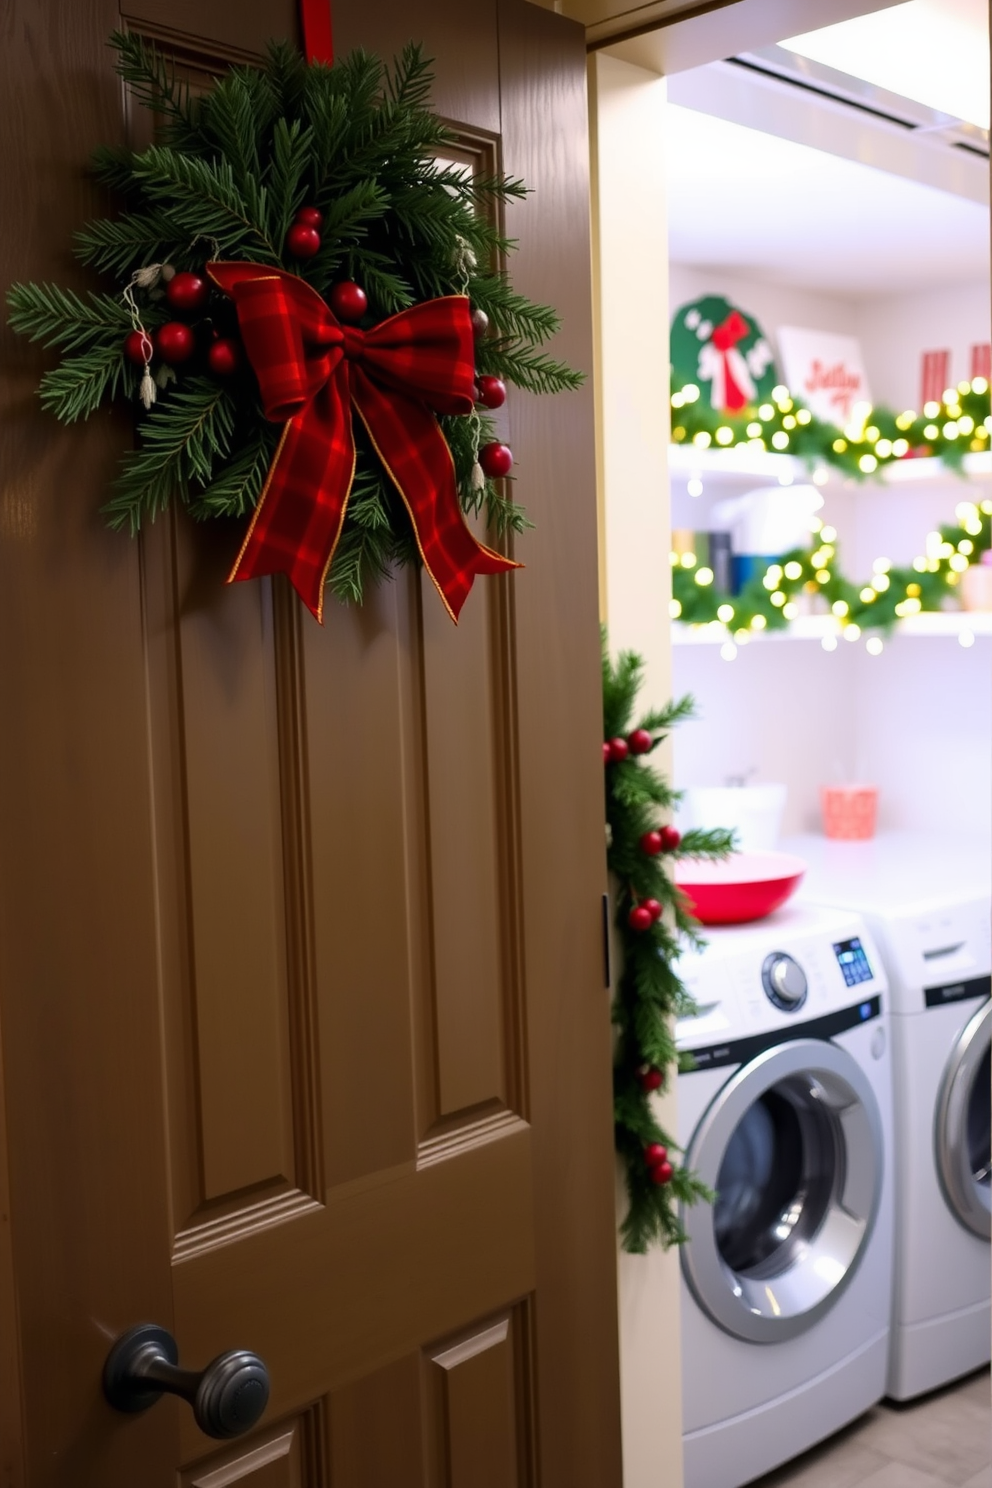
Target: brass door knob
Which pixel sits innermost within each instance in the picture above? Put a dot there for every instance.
(228, 1397)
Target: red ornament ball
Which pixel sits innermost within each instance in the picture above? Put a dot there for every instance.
(653, 908)
(606, 753)
(650, 843)
(187, 292)
(655, 1154)
(662, 1173)
(175, 342)
(138, 348)
(640, 741)
(670, 838)
(496, 460)
(618, 750)
(303, 241)
(651, 1078)
(348, 301)
(310, 217)
(492, 392)
(224, 356)
(640, 918)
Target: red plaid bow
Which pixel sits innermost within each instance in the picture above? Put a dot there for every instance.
(312, 371)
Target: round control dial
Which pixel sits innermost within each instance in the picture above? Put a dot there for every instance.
(784, 981)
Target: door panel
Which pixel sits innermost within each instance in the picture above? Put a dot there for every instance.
(305, 1047)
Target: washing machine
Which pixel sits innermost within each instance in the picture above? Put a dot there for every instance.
(926, 899)
(787, 1117)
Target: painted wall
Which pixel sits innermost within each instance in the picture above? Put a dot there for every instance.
(894, 330)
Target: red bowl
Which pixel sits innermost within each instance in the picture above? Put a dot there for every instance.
(745, 886)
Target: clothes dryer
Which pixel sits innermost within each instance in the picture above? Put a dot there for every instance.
(786, 1279)
(927, 902)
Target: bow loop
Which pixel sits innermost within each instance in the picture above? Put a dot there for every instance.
(311, 373)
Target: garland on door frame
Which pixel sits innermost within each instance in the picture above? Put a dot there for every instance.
(651, 923)
(291, 253)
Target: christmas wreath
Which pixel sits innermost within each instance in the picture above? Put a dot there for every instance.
(652, 922)
(312, 321)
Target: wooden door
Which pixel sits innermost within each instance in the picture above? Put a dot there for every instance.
(305, 1046)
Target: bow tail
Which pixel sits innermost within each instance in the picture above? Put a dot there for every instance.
(297, 523)
(414, 452)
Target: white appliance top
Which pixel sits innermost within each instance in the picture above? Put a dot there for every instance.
(900, 872)
(927, 900)
(732, 978)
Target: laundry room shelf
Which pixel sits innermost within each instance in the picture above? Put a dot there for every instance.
(732, 464)
(956, 623)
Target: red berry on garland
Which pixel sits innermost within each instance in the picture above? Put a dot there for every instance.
(650, 843)
(655, 1154)
(653, 908)
(618, 750)
(606, 753)
(348, 301)
(651, 1078)
(187, 292)
(303, 241)
(492, 392)
(640, 918)
(310, 217)
(640, 741)
(662, 1173)
(138, 348)
(496, 460)
(670, 838)
(224, 356)
(174, 342)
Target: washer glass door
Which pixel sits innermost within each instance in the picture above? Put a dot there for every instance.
(962, 1127)
(792, 1145)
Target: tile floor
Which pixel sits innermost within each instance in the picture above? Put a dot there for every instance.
(941, 1441)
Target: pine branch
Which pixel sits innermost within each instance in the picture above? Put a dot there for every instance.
(154, 82)
(203, 201)
(111, 166)
(513, 316)
(78, 386)
(291, 150)
(236, 487)
(181, 439)
(118, 245)
(533, 371)
(59, 317)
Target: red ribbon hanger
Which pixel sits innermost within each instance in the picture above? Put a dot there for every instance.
(315, 19)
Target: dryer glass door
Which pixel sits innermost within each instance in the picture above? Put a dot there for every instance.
(792, 1145)
(961, 1131)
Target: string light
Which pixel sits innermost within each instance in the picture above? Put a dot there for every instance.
(873, 646)
(725, 613)
(674, 608)
(704, 576)
(728, 651)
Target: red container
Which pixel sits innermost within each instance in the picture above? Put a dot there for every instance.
(745, 886)
(849, 811)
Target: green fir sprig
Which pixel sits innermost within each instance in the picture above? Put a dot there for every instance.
(649, 995)
(228, 171)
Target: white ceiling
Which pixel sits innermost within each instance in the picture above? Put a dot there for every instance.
(935, 51)
(752, 202)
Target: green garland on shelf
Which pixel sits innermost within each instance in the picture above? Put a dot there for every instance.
(234, 171)
(769, 601)
(875, 437)
(651, 922)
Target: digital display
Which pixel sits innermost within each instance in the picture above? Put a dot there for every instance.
(853, 962)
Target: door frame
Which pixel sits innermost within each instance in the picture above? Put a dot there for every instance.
(628, 90)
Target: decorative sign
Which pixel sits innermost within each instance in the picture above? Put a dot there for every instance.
(724, 352)
(825, 371)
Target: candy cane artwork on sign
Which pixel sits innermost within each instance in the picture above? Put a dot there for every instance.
(825, 371)
(724, 352)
